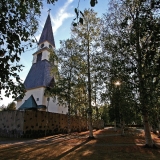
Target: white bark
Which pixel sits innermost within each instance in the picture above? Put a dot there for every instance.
(148, 138)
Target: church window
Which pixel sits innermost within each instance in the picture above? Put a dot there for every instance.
(50, 46)
(42, 45)
(39, 57)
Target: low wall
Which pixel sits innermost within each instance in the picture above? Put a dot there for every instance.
(11, 123)
(98, 124)
(39, 123)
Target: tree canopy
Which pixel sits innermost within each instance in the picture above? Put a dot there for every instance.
(131, 37)
(18, 26)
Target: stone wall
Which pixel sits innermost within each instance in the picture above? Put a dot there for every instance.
(98, 124)
(11, 123)
(39, 123)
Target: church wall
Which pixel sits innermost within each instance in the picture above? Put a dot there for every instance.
(46, 44)
(56, 108)
(19, 103)
(37, 93)
(39, 123)
(52, 106)
(45, 55)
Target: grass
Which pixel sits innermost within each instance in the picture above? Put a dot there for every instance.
(107, 145)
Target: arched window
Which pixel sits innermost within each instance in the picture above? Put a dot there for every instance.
(42, 45)
(39, 57)
(50, 46)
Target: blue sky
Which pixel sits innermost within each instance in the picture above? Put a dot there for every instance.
(62, 14)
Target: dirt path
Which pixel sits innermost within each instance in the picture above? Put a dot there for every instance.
(107, 145)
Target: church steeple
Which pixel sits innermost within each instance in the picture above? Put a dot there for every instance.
(47, 33)
(39, 74)
(46, 42)
(40, 77)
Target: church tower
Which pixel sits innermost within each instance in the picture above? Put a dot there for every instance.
(39, 76)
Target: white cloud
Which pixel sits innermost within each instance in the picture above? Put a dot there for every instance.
(62, 15)
(58, 19)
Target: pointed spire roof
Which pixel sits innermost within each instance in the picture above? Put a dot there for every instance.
(47, 33)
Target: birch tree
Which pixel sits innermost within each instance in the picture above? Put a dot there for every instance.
(87, 36)
(138, 40)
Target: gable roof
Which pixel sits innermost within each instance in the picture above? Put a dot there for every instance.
(47, 33)
(30, 103)
(39, 75)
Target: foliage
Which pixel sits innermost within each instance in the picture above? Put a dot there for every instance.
(132, 38)
(64, 88)
(87, 37)
(104, 114)
(65, 77)
(18, 25)
(80, 15)
(2, 107)
(78, 67)
(11, 106)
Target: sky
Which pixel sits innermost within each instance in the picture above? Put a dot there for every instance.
(62, 14)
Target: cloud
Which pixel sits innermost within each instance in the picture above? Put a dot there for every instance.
(62, 15)
(57, 20)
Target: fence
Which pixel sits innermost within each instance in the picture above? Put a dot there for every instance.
(31, 123)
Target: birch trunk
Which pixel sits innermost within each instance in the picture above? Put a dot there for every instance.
(69, 120)
(148, 138)
(89, 92)
(90, 125)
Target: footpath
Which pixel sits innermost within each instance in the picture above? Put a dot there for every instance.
(107, 145)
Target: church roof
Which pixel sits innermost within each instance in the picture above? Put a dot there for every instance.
(39, 75)
(30, 103)
(47, 33)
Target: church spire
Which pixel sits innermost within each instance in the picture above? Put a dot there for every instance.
(47, 33)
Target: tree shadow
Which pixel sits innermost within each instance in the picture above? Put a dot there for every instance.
(71, 150)
(106, 145)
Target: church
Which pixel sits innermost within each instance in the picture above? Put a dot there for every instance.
(39, 76)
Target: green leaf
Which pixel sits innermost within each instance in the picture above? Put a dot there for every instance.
(81, 20)
(74, 24)
(92, 3)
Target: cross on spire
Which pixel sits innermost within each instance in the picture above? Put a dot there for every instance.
(49, 11)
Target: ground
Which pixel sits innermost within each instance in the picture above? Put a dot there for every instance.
(107, 145)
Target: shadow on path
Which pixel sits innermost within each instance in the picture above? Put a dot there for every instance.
(71, 150)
